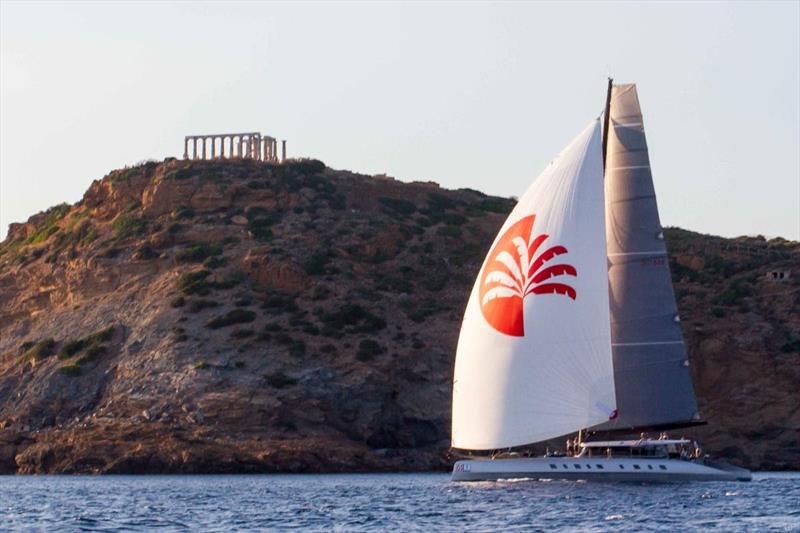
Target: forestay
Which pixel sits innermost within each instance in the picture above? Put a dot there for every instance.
(534, 354)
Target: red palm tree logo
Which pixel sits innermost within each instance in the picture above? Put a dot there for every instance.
(517, 268)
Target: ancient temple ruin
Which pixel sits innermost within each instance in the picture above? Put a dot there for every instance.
(233, 146)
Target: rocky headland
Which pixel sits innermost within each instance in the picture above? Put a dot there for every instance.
(240, 316)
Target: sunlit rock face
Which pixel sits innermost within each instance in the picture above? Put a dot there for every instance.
(243, 316)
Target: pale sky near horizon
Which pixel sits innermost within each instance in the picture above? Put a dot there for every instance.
(478, 95)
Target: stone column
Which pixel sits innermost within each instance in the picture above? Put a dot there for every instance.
(194, 142)
(275, 150)
(186, 148)
(241, 146)
(203, 140)
(213, 147)
(283, 150)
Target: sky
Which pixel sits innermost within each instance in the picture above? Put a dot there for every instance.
(478, 95)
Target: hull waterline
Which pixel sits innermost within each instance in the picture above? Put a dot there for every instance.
(638, 470)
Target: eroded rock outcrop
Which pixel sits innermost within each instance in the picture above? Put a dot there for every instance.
(250, 317)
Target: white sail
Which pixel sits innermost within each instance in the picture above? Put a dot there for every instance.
(534, 354)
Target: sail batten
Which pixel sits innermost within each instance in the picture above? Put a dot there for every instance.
(651, 373)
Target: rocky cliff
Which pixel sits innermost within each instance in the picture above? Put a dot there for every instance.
(250, 317)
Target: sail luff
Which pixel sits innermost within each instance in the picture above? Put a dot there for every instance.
(651, 368)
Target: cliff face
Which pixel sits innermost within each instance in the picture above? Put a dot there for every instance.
(250, 317)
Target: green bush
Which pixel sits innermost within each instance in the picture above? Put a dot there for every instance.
(337, 202)
(297, 349)
(304, 166)
(48, 227)
(236, 316)
(422, 310)
(354, 318)
(320, 293)
(179, 334)
(398, 205)
(202, 365)
(25, 346)
(195, 306)
(280, 380)
(111, 253)
(194, 282)
(93, 353)
(259, 221)
(102, 335)
(791, 346)
(71, 348)
(234, 279)
(438, 203)
(735, 292)
(277, 302)
(71, 371)
(215, 262)
(496, 205)
(198, 252)
(42, 349)
(454, 219)
(449, 231)
(125, 226)
(242, 333)
(315, 265)
(368, 349)
(182, 211)
(145, 252)
(180, 174)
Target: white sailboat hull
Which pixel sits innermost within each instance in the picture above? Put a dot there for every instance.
(639, 470)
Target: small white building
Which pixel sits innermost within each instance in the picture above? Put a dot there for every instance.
(778, 275)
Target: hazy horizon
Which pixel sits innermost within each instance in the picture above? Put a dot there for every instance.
(478, 95)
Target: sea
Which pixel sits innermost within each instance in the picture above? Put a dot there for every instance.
(391, 502)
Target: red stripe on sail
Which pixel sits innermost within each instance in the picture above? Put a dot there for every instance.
(553, 288)
(547, 255)
(555, 270)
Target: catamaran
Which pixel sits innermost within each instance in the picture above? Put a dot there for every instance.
(572, 326)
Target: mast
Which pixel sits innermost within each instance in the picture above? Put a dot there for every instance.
(606, 118)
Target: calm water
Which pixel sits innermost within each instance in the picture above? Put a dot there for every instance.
(378, 502)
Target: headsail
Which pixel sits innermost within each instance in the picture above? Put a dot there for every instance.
(651, 368)
(534, 353)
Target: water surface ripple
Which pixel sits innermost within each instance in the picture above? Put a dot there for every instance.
(391, 502)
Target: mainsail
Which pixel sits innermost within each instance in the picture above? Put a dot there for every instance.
(651, 367)
(534, 354)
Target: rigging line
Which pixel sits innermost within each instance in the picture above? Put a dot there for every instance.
(644, 343)
(654, 252)
(633, 198)
(637, 364)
